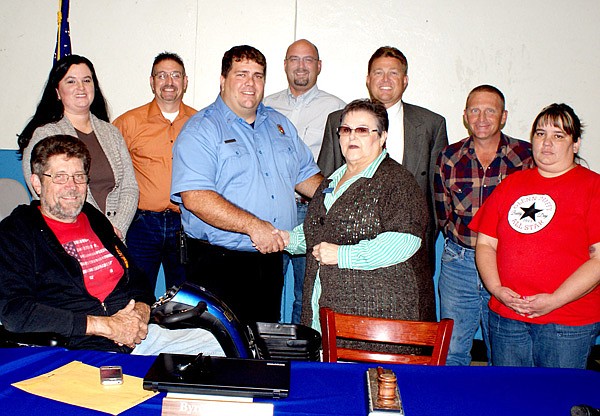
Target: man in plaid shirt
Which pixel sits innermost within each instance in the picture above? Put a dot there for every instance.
(466, 174)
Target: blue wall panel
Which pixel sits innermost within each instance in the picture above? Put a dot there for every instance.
(10, 165)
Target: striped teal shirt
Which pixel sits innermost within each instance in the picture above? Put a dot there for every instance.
(385, 250)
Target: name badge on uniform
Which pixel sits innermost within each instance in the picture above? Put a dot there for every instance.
(281, 130)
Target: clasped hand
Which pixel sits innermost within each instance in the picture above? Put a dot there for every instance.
(529, 306)
(129, 326)
(267, 239)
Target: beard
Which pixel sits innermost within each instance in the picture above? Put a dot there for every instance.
(63, 211)
(301, 80)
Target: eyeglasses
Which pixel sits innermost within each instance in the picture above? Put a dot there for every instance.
(62, 178)
(358, 131)
(306, 59)
(162, 75)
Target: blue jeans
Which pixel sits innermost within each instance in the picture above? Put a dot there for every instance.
(464, 299)
(178, 341)
(299, 267)
(152, 240)
(522, 344)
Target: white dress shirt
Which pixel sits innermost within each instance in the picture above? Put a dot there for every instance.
(395, 140)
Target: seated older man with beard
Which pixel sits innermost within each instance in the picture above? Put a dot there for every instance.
(63, 270)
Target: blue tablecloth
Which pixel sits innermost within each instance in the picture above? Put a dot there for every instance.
(337, 389)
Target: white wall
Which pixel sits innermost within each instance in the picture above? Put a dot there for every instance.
(536, 51)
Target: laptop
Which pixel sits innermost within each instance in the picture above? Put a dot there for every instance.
(219, 376)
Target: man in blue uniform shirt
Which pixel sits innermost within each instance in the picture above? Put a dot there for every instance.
(236, 165)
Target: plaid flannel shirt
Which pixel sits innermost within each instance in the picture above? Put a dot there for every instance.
(462, 184)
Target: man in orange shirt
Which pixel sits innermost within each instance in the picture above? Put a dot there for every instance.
(150, 132)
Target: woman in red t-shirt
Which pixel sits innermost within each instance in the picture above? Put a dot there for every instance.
(538, 252)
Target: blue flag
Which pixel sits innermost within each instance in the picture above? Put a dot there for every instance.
(63, 34)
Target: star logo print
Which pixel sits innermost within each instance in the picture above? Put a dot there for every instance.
(530, 211)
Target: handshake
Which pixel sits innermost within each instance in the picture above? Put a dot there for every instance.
(268, 239)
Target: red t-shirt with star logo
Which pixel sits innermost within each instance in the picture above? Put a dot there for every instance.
(544, 227)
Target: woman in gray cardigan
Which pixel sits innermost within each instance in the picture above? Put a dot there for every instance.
(72, 104)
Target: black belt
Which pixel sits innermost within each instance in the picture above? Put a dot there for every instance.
(197, 244)
(167, 211)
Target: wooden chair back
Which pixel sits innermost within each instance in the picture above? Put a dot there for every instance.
(337, 325)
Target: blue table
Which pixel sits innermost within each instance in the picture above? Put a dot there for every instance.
(337, 389)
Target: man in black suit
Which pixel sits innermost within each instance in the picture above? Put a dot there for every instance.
(416, 136)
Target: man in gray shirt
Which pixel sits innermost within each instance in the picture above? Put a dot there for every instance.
(307, 108)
